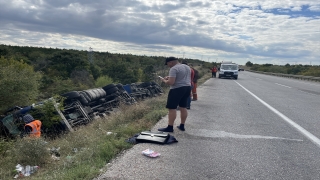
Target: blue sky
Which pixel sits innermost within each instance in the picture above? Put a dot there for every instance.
(266, 31)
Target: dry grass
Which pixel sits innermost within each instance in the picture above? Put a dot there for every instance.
(204, 78)
(30, 151)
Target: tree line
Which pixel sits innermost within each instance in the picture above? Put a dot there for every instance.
(305, 70)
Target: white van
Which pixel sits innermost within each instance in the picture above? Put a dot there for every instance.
(228, 69)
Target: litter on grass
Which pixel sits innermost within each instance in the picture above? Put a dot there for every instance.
(25, 171)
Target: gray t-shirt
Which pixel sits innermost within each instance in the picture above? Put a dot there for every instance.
(182, 73)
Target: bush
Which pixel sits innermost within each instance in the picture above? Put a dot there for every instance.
(5, 145)
(47, 113)
(103, 81)
(312, 71)
(30, 151)
(277, 69)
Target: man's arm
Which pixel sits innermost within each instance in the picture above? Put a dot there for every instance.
(169, 80)
(27, 131)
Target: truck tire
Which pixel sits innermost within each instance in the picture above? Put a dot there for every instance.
(83, 100)
(102, 92)
(120, 87)
(112, 90)
(91, 94)
(85, 96)
(71, 95)
(109, 86)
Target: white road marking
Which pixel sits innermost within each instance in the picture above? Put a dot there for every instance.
(259, 79)
(282, 85)
(308, 93)
(306, 133)
(223, 134)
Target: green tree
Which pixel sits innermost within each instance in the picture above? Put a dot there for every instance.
(65, 62)
(295, 69)
(103, 81)
(249, 64)
(82, 77)
(57, 85)
(19, 83)
(148, 73)
(3, 51)
(121, 72)
(95, 71)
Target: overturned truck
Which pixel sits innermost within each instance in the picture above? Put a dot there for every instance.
(82, 107)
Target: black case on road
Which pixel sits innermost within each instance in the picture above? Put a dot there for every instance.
(150, 137)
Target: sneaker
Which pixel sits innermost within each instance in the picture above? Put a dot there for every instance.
(181, 129)
(188, 107)
(165, 130)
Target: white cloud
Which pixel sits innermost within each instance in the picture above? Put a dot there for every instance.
(239, 29)
(296, 8)
(315, 8)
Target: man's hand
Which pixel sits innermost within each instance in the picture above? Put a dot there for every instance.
(169, 80)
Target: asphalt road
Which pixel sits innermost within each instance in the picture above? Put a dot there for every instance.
(256, 127)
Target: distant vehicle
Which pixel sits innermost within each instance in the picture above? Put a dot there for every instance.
(228, 69)
(241, 69)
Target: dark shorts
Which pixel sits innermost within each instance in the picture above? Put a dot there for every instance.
(178, 96)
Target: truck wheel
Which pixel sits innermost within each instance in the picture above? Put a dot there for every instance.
(83, 100)
(91, 94)
(109, 86)
(85, 96)
(120, 87)
(71, 95)
(112, 90)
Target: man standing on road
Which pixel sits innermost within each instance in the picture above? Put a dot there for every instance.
(179, 80)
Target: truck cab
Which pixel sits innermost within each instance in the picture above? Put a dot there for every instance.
(228, 69)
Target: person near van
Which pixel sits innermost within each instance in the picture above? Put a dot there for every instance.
(179, 80)
(32, 126)
(214, 71)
